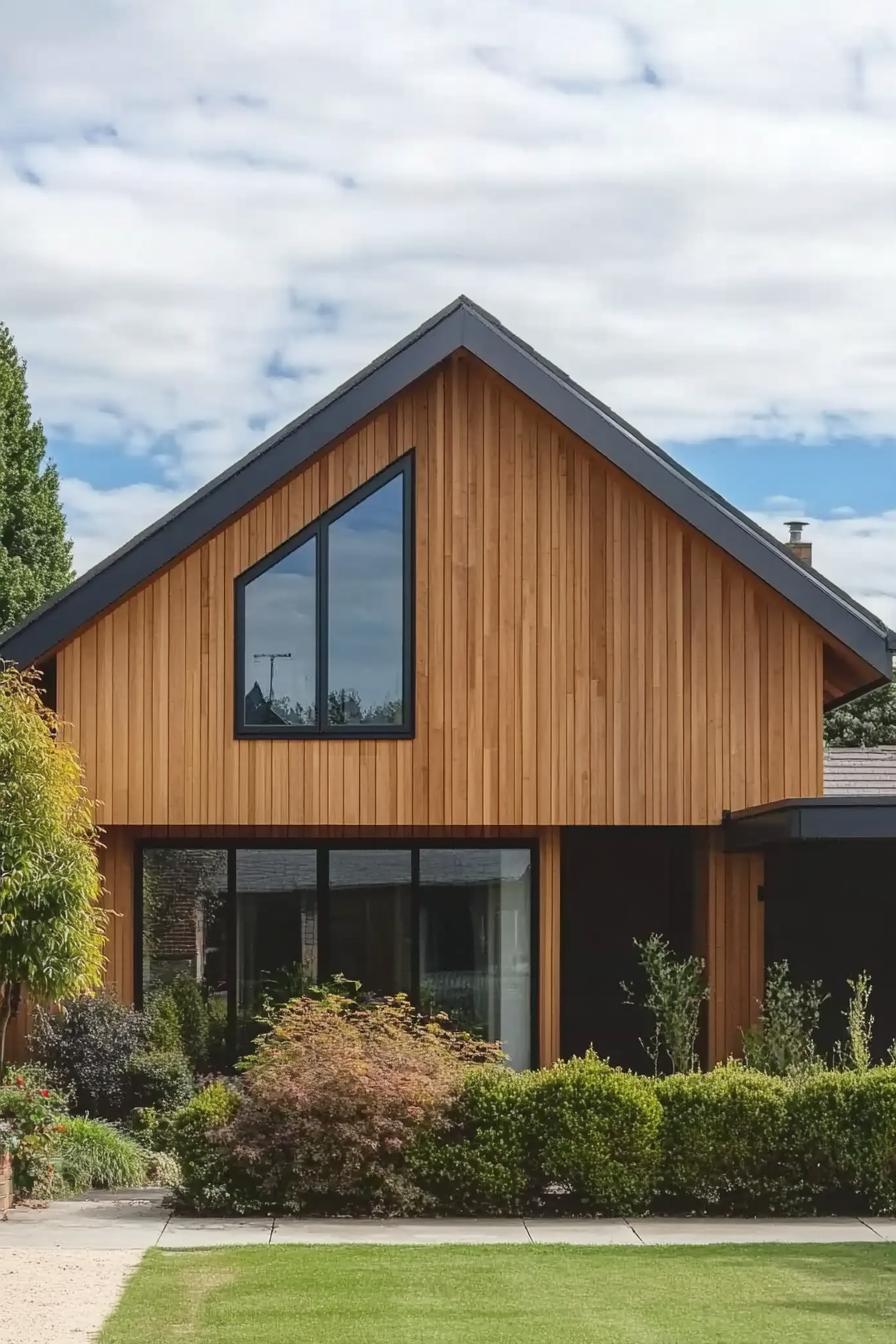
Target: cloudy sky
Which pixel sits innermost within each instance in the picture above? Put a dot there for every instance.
(211, 212)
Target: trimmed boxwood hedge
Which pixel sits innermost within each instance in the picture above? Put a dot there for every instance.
(475, 1161)
(592, 1138)
(841, 1147)
(583, 1137)
(723, 1138)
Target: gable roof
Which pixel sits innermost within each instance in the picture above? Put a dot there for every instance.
(857, 772)
(461, 326)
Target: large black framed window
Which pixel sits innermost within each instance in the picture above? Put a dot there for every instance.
(324, 624)
(453, 925)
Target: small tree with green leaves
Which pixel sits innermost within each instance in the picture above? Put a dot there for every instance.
(783, 1041)
(52, 925)
(674, 989)
(35, 553)
(855, 1052)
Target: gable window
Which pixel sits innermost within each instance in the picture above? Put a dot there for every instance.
(323, 624)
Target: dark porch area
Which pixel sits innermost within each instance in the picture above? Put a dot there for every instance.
(830, 897)
(619, 883)
(830, 910)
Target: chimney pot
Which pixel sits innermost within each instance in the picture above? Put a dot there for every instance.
(799, 549)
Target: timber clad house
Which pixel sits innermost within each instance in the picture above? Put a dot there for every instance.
(457, 685)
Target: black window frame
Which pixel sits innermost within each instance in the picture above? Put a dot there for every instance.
(319, 529)
(322, 848)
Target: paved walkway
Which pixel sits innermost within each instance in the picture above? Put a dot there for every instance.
(62, 1268)
(134, 1225)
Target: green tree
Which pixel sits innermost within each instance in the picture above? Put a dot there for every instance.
(35, 553)
(52, 925)
(869, 721)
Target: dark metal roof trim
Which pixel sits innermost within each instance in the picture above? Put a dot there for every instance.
(684, 493)
(795, 820)
(461, 325)
(231, 492)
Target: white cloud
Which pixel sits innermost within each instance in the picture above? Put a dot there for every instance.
(102, 519)
(689, 207)
(843, 511)
(786, 502)
(857, 553)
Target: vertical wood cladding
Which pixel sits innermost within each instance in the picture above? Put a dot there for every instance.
(730, 936)
(582, 655)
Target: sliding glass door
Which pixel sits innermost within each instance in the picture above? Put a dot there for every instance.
(476, 942)
(368, 918)
(275, 924)
(449, 925)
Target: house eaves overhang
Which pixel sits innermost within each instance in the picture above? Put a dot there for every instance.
(460, 326)
(802, 820)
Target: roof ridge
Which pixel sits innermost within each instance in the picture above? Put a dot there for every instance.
(460, 324)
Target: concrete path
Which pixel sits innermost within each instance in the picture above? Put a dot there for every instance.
(63, 1268)
(135, 1224)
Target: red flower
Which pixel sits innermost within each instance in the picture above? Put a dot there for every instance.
(44, 1092)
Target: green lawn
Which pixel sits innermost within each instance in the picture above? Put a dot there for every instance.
(511, 1295)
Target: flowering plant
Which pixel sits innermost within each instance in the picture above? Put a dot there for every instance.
(30, 1113)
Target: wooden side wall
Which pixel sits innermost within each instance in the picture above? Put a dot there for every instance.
(582, 655)
(730, 935)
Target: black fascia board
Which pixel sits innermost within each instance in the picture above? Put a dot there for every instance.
(232, 491)
(462, 325)
(682, 492)
(800, 820)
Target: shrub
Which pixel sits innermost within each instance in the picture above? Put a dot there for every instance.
(593, 1136)
(151, 1128)
(87, 1046)
(178, 1020)
(581, 1135)
(675, 987)
(475, 1160)
(332, 1098)
(162, 1168)
(723, 1135)
(53, 925)
(210, 1180)
(841, 1147)
(163, 1023)
(159, 1079)
(30, 1111)
(783, 1040)
(192, 1012)
(87, 1154)
(219, 1049)
(855, 1053)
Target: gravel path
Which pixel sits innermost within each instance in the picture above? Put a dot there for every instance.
(57, 1296)
(62, 1268)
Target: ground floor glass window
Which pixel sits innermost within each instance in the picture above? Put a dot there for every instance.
(449, 925)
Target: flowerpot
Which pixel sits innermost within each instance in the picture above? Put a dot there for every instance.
(5, 1182)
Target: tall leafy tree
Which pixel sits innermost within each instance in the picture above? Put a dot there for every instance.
(869, 721)
(35, 553)
(52, 924)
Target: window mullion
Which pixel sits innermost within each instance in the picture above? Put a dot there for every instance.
(322, 625)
